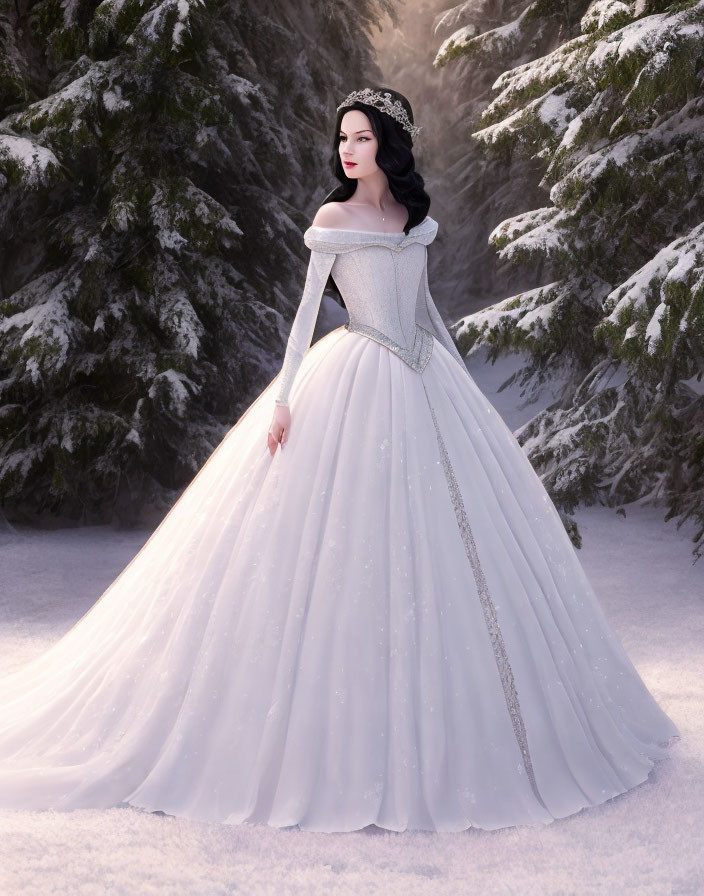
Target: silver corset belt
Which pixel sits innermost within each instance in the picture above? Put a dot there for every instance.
(416, 357)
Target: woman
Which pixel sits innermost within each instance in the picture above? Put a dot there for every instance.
(384, 622)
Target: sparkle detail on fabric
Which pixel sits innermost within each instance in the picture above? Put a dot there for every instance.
(376, 273)
(417, 356)
(488, 608)
(385, 103)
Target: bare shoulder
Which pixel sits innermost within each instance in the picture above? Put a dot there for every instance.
(332, 214)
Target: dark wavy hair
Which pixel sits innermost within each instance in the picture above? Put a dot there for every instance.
(395, 158)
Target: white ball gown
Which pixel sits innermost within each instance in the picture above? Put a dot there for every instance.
(384, 623)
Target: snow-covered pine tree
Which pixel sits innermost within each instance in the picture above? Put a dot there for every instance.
(478, 41)
(156, 165)
(616, 116)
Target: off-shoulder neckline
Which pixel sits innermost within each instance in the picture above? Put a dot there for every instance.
(373, 232)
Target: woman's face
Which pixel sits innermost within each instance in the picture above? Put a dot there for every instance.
(357, 145)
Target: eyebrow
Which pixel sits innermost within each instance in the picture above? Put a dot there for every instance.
(365, 130)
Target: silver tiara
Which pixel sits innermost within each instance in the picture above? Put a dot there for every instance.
(385, 103)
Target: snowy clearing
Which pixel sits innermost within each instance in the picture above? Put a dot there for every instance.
(648, 838)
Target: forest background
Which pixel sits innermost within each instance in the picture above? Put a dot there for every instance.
(160, 160)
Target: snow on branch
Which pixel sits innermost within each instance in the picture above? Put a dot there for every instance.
(677, 265)
(27, 161)
(536, 232)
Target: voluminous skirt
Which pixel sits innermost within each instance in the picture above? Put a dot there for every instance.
(384, 623)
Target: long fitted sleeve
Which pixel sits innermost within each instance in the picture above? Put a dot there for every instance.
(427, 314)
(301, 334)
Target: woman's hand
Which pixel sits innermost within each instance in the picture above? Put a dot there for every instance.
(279, 429)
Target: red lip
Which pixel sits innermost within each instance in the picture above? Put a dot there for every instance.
(349, 164)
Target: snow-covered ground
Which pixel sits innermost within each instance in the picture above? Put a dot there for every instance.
(646, 841)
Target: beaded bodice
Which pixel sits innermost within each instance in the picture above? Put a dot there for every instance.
(383, 279)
